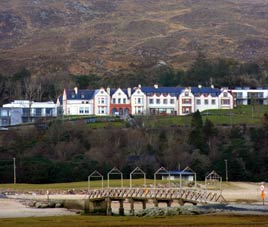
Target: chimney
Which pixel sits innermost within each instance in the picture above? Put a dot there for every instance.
(76, 90)
(199, 86)
(156, 86)
(108, 90)
(129, 92)
(212, 86)
(64, 96)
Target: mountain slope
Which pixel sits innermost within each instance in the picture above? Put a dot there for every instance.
(97, 36)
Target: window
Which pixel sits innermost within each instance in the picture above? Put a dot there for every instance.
(38, 112)
(198, 102)
(206, 101)
(49, 111)
(83, 102)
(186, 101)
(86, 110)
(151, 101)
(165, 101)
(157, 101)
(82, 96)
(225, 101)
(171, 101)
(239, 95)
(124, 100)
(185, 110)
(119, 101)
(4, 113)
(102, 101)
(260, 95)
(139, 100)
(26, 112)
(225, 94)
(73, 96)
(213, 102)
(187, 93)
(87, 102)
(114, 100)
(81, 110)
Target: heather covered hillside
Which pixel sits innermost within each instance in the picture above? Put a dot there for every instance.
(100, 36)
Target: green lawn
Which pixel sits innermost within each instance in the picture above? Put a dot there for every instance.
(251, 115)
(104, 221)
(93, 184)
(75, 185)
(240, 115)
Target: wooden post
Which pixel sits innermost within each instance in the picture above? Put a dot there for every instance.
(143, 204)
(132, 211)
(121, 207)
(109, 206)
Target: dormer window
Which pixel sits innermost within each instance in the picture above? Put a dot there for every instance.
(73, 95)
(82, 96)
(225, 94)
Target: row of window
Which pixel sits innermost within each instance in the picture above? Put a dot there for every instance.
(84, 110)
(206, 102)
(119, 101)
(250, 94)
(164, 101)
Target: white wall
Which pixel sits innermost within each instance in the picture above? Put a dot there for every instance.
(138, 102)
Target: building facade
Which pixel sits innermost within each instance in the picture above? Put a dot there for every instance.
(144, 100)
(23, 111)
(248, 96)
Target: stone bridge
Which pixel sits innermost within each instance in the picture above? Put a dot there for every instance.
(99, 200)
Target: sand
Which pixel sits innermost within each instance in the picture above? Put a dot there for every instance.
(233, 192)
(11, 208)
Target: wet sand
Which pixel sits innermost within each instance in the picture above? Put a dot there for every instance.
(11, 208)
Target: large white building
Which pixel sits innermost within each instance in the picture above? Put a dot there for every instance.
(22, 111)
(247, 96)
(144, 100)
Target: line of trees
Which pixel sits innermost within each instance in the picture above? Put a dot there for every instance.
(70, 152)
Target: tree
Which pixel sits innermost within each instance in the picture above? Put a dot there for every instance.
(196, 136)
(210, 132)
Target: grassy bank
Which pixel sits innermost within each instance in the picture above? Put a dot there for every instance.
(250, 115)
(77, 185)
(103, 221)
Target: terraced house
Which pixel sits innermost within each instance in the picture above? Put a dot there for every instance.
(144, 100)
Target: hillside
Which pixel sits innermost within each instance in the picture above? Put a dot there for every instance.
(97, 36)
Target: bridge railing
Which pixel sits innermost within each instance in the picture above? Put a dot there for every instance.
(202, 196)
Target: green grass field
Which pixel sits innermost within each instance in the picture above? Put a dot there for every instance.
(251, 115)
(104, 221)
(93, 184)
(77, 185)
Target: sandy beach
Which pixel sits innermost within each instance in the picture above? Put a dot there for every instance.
(11, 208)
